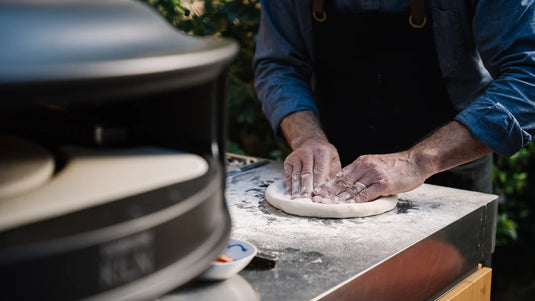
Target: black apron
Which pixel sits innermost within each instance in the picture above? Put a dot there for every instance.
(379, 89)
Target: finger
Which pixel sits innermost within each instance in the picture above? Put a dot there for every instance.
(369, 194)
(359, 186)
(334, 169)
(351, 192)
(296, 182)
(288, 169)
(321, 171)
(349, 169)
(344, 196)
(325, 182)
(326, 189)
(359, 183)
(307, 178)
(356, 170)
(322, 200)
(355, 175)
(341, 185)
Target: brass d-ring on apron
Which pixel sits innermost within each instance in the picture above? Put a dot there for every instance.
(318, 12)
(417, 18)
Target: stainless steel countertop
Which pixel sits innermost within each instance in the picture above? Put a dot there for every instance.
(434, 237)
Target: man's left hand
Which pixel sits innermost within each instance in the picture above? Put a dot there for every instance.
(372, 176)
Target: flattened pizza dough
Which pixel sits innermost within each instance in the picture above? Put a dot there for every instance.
(305, 207)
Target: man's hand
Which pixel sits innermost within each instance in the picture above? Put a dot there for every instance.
(308, 166)
(372, 176)
(313, 159)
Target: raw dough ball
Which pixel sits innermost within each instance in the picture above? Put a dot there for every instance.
(305, 207)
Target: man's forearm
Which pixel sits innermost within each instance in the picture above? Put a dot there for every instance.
(449, 146)
(301, 126)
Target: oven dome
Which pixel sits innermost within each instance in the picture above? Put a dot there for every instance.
(80, 40)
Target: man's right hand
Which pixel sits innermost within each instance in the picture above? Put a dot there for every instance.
(313, 159)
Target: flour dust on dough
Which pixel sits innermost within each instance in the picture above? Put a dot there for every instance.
(275, 195)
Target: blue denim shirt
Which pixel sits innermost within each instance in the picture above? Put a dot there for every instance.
(486, 52)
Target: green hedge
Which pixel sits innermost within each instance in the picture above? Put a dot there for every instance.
(249, 131)
(514, 181)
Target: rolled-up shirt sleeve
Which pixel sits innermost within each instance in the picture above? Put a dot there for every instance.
(282, 63)
(503, 117)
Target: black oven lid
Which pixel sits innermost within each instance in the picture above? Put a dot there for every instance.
(58, 40)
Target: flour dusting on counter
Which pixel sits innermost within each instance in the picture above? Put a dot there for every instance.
(256, 220)
(316, 253)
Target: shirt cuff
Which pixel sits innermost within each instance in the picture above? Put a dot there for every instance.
(494, 126)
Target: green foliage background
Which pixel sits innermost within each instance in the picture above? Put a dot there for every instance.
(249, 131)
(514, 181)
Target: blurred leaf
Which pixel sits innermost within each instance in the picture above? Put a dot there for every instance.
(233, 147)
(506, 230)
(514, 179)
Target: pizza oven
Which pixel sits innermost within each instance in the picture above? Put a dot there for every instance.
(112, 139)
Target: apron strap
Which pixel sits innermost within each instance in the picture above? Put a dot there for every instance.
(417, 19)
